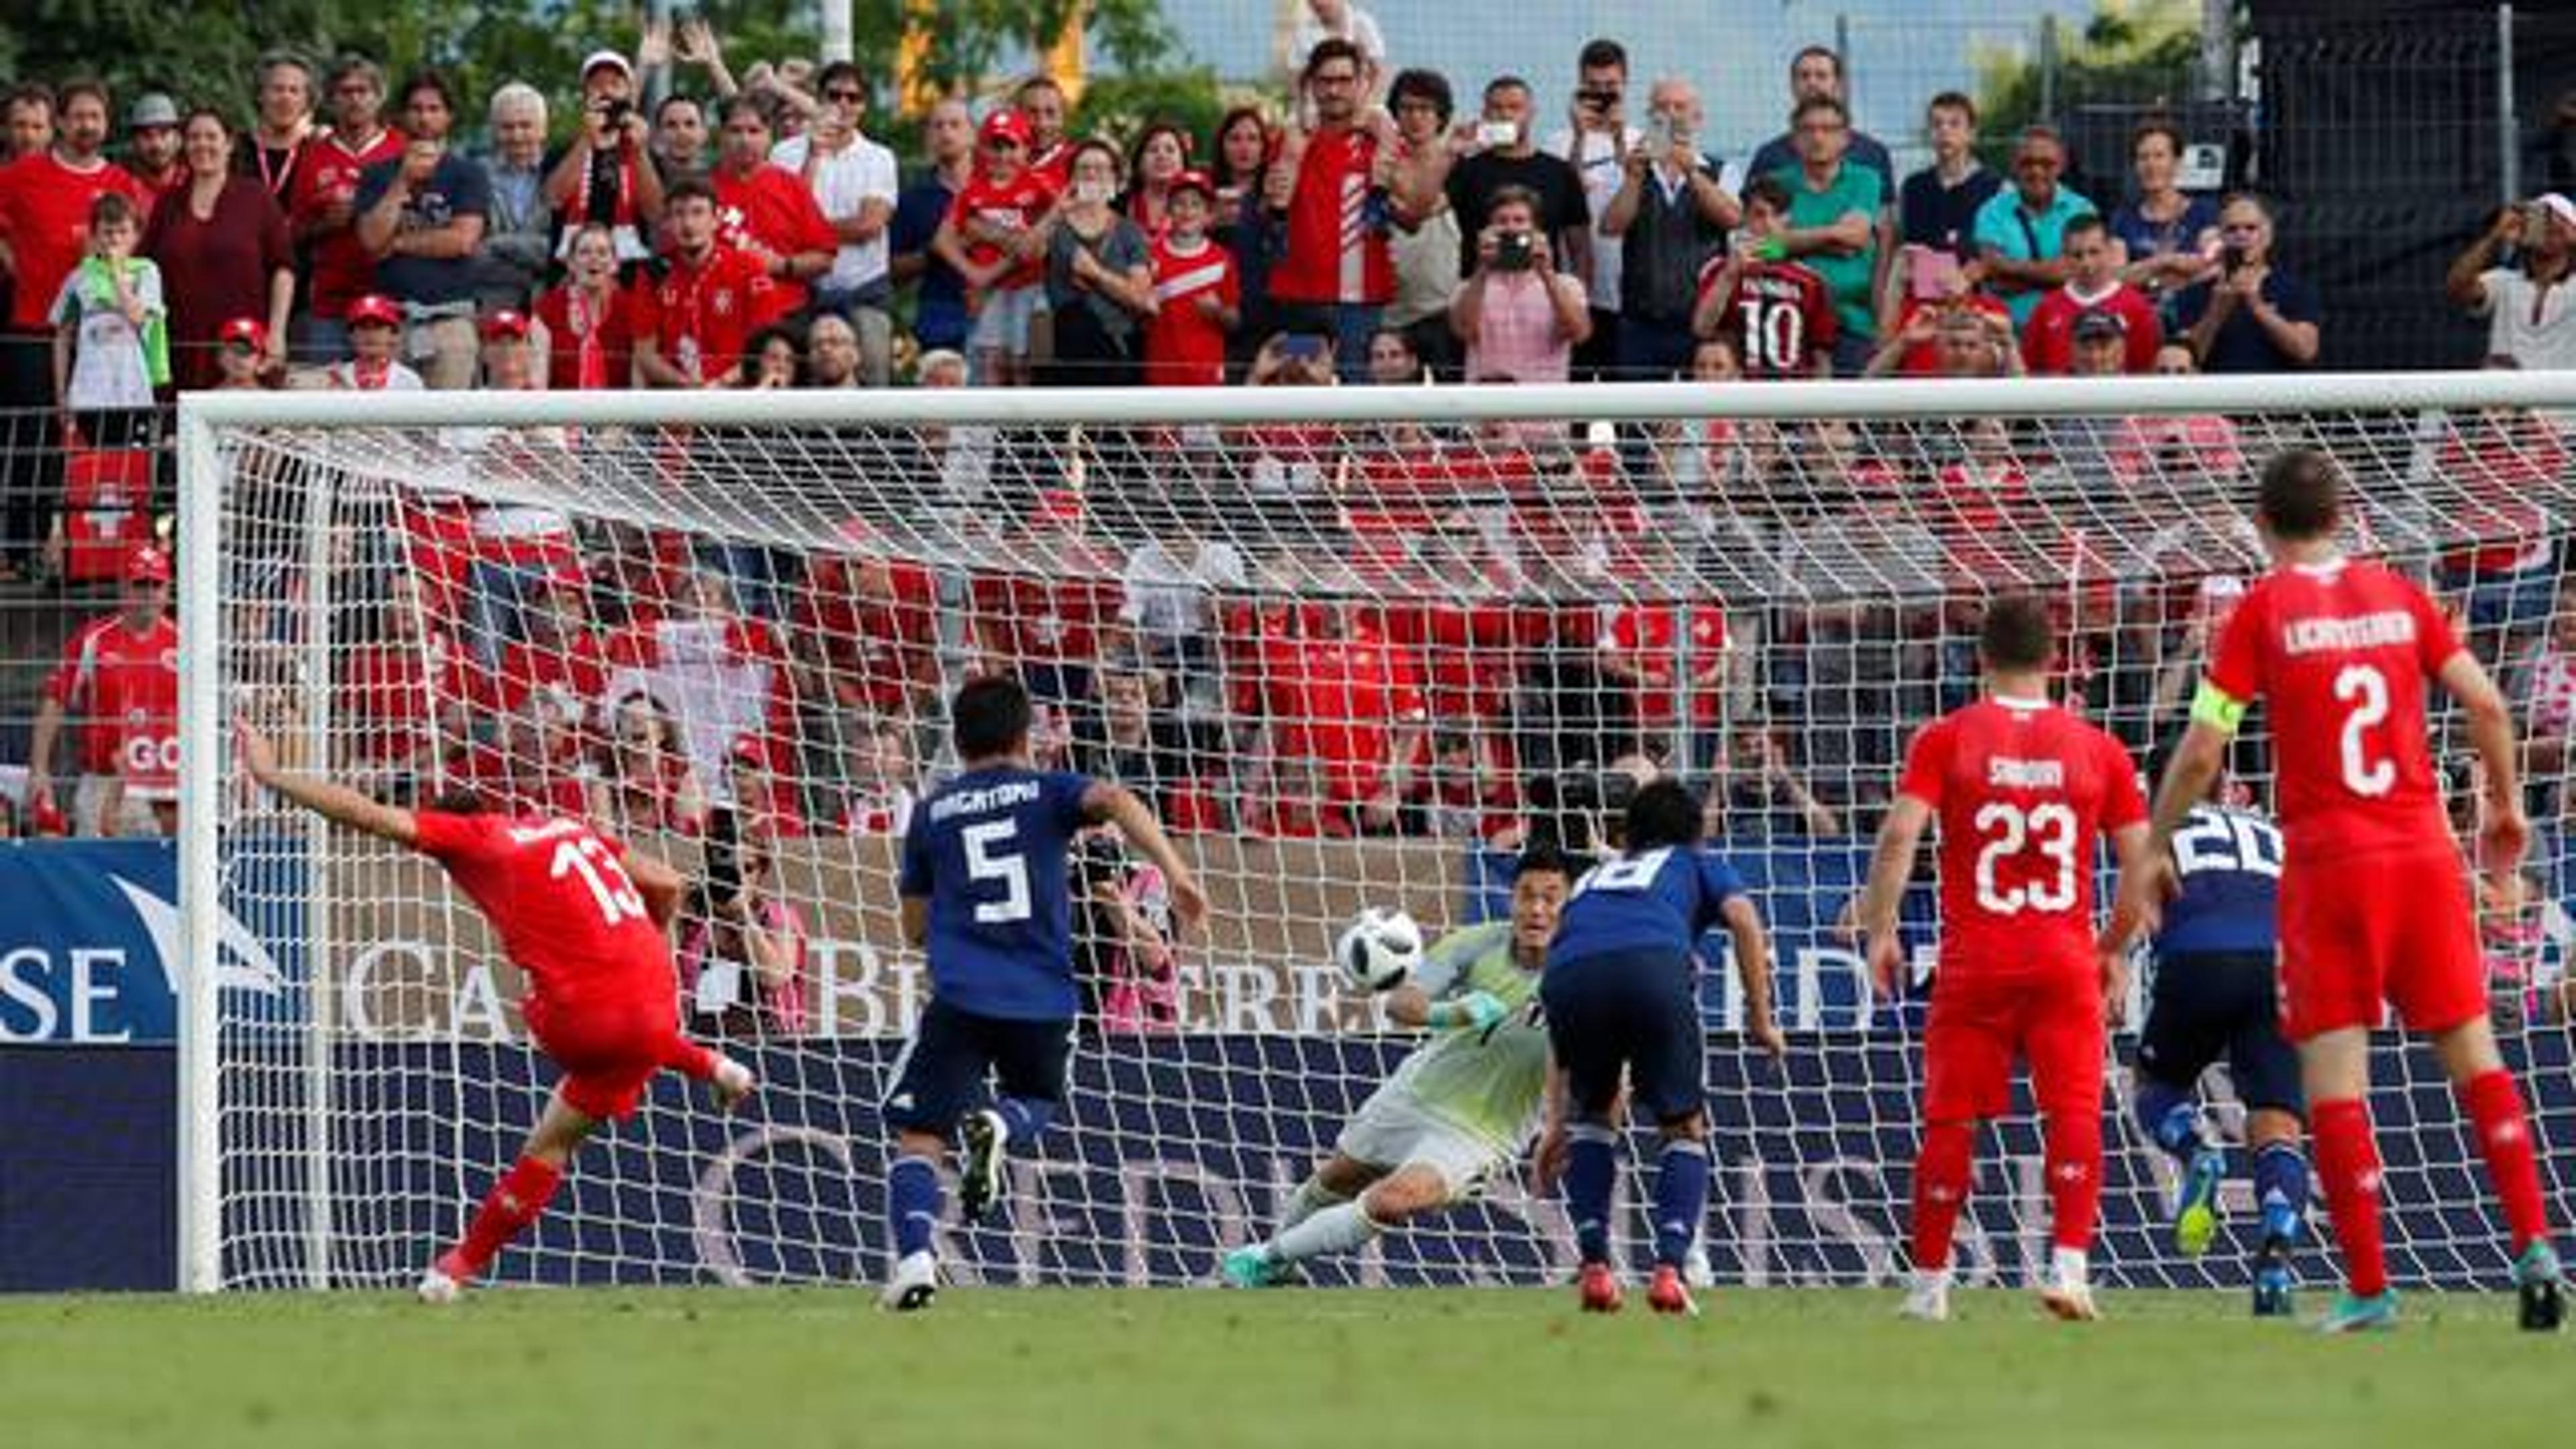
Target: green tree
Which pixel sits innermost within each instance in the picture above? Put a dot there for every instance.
(2126, 54)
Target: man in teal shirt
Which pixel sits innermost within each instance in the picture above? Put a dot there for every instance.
(2021, 231)
(1837, 222)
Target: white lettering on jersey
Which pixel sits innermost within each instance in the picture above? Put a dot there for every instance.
(984, 801)
(2025, 774)
(2370, 631)
(531, 834)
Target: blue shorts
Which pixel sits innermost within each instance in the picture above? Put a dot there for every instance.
(1003, 324)
(941, 1072)
(2221, 1003)
(1631, 1014)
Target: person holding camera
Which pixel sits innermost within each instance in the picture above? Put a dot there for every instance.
(1497, 152)
(742, 946)
(1666, 220)
(1598, 142)
(2532, 321)
(607, 175)
(1520, 316)
(2252, 316)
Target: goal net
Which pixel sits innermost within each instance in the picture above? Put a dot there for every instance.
(1354, 644)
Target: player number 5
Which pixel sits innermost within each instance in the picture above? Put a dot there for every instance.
(2365, 689)
(1008, 868)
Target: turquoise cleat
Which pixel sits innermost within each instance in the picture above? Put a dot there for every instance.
(2538, 1282)
(2354, 1314)
(1252, 1268)
(2196, 1209)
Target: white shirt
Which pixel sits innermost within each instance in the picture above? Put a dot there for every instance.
(858, 173)
(1601, 169)
(1359, 28)
(2547, 342)
(108, 366)
(1166, 598)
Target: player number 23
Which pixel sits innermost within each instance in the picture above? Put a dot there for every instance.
(2008, 830)
(598, 867)
(984, 864)
(2365, 690)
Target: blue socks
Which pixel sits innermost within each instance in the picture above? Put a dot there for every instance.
(2169, 1116)
(1681, 1198)
(1591, 1171)
(2281, 1191)
(1025, 1117)
(912, 1203)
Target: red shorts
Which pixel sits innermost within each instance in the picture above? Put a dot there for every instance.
(2394, 927)
(1978, 1027)
(609, 1047)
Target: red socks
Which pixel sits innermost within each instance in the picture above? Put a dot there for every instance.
(2494, 1105)
(695, 1062)
(1940, 1192)
(508, 1208)
(2348, 1171)
(2073, 1146)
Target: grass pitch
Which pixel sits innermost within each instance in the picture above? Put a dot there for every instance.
(718, 1369)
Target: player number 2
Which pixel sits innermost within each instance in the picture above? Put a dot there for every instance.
(2008, 831)
(2365, 689)
(599, 869)
(1008, 868)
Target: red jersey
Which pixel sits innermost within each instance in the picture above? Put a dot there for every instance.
(1056, 620)
(1005, 207)
(342, 270)
(1335, 253)
(701, 314)
(774, 210)
(1644, 634)
(44, 216)
(126, 685)
(1338, 698)
(2340, 652)
(2021, 788)
(1183, 348)
(599, 353)
(1780, 316)
(880, 652)
(392, 693)
(2048, 342)
(1923, 359)
(558, 896)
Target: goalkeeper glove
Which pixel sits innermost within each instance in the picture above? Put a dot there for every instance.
(1475, 1011)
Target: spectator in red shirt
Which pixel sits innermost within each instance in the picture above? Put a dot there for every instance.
(1156, 162)
(608, 174)
(222, 247)
(402, 686)
(691, 326)
(589, 321)
(867, 630)
(45, 199)
(322, 206)
(1043, 617)
(768, 212)
(762, 782)
(1963, 337)
(152, 147)
(995, 238)
(2092, 285)
(1348, 720)
(1198, 291)
(1041, 101)
(1778, 313)
(120, 680)
(1336, 274)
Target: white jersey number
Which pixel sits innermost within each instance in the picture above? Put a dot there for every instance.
(1628, 874)
(1009, 868)
(2008, 830)
(599, 868)
(2365, 689)
(2225, 840)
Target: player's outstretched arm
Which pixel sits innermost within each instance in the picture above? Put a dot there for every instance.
(2503, 834)
(329, 799)
(1120, 807)
(1753, 968)
(1891, 865)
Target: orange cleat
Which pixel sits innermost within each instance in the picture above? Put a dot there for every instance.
(1669, 1294)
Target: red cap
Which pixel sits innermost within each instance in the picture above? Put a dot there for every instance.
(45, 817)
(1197, 181)
(250, 332)
(508, 322)
(375, 308)
(147, 564)
(750, 750)
(1008, 123)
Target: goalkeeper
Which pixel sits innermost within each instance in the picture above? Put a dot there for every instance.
(1461, 1106)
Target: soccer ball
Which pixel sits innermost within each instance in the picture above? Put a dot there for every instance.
(1378, 950)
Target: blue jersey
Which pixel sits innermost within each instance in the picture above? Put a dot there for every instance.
(1658, 901)
(2229, 862)
(988, 851)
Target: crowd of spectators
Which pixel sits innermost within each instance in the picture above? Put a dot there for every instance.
(1287, 631)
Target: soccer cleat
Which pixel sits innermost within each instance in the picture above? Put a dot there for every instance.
(981, 1181)
(1600, 1288)
(1253, 1268)
(912, 1284)
(2272, 1291)
(2538, 1282)
(732, 1084)
(2196, 1209)
(1669, 1294)
(2355, 1314)
(1696, 1270)
(444, 1282)
(1928, 1301)
(2070, 1302)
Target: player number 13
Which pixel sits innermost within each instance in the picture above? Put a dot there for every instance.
(597, 865)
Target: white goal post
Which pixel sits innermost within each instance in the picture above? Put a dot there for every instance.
(1357, 641)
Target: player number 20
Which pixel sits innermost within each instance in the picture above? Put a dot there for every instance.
(586, 856)
(983, 864)
(2008, 830)
(2364, 690)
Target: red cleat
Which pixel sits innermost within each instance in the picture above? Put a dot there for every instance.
(1669, 1294)
(1600, 1288)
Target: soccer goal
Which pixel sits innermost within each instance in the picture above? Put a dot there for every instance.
(1353, 643)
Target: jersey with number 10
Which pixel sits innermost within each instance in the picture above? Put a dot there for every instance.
(2021, 789)
(988, 851)
(2340, 652)
(557, 893)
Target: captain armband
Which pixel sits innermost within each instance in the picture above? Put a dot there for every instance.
(2217, 708)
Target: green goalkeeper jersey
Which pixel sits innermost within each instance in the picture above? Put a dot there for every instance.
(1489, 1083)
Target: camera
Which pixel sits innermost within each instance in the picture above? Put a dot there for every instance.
(1512, 252)
(1494, 135)
(720, 880)
(2231, 259)
(1596, 99)
(613, 113)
